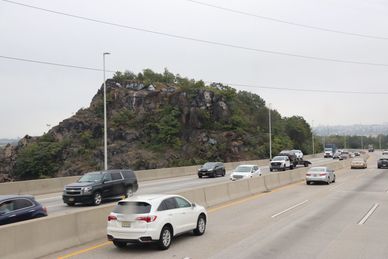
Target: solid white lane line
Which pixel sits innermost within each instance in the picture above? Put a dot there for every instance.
(370, 212)
(290, 208)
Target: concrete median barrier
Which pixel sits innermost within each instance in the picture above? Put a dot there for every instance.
(238, 189)
(216, 194)
(43, 236)
(284, 178)
(256, 185)
(44, 186)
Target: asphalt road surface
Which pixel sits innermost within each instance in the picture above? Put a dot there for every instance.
(346, 219)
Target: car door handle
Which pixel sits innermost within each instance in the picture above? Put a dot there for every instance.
(31, 210)
(11, 216)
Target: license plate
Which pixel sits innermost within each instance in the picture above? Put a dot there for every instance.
(126, 224)
(71, 199)
(315, 175)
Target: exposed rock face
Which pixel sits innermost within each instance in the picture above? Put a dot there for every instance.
(132, 110)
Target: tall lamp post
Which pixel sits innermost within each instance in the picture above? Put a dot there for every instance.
(105, 127)
(312, 137)
(270, 132)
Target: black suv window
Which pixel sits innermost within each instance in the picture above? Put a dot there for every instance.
(182, 203)
(107, 177)
(116, 176)
(128, 174)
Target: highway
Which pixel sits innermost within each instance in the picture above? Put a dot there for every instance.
(54, 204)
(346, 219)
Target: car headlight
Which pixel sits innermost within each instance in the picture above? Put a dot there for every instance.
(87, 189)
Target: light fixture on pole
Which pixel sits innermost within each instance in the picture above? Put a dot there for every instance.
(105, 126)
(270, 131)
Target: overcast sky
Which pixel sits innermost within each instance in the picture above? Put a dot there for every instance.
(36, 95)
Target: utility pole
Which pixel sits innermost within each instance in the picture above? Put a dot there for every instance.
(312, 137)
(270, 131)
(380, 142)
(105, 126)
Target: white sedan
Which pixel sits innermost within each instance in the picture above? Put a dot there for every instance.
(245, 171)
(154, 218)
(320, 174)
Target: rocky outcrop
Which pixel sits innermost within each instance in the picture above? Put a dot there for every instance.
(133, 109)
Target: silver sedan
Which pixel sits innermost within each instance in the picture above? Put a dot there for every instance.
(320, 174)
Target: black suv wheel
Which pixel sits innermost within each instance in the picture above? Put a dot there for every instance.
(97, 198)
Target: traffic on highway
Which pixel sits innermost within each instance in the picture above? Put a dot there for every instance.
(292, 221)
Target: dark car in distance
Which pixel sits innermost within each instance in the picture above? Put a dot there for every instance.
(382, 162)
(93, 187)
(15, 208)
(212, 169)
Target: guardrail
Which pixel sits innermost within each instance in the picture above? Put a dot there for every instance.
(48, 235)
(43, 186)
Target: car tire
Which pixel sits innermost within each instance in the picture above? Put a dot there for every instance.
(328, 181)
(119, 244)
(70, 204)
(291, 167)
(129, 192)
(270, 169)
(199, 176)
(97, 198)
(333, 179)
(308, 182)
(223, 173)
(201, 226)
(165, 238)
(284, 168)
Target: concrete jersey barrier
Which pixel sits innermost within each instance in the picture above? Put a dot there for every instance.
(44, 186)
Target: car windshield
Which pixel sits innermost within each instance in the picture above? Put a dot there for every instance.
(358, 159)
(91, 177)
(132, 207)
(243, 169)
(209, 165)
(278, 158)
(317, 169)
(328, 149)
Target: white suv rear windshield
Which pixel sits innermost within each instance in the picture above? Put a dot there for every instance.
(125, 207)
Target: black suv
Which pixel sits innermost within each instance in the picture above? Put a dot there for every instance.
(94, 186)
(382, 162)
(212, 169)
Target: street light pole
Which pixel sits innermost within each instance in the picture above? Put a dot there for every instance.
(270, 132)
(312, 137)
(105, 126)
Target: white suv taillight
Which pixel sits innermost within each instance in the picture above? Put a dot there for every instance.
(147, 219)
(112, 217)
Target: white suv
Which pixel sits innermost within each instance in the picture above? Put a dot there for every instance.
(245, 171)
(154, 218)
(298, 153)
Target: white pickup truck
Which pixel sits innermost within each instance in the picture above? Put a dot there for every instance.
(280, 163)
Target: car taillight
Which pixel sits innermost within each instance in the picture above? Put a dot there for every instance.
(112, 217)
(44, 209)
(308, 174)
(147, 219)
(322, 174)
